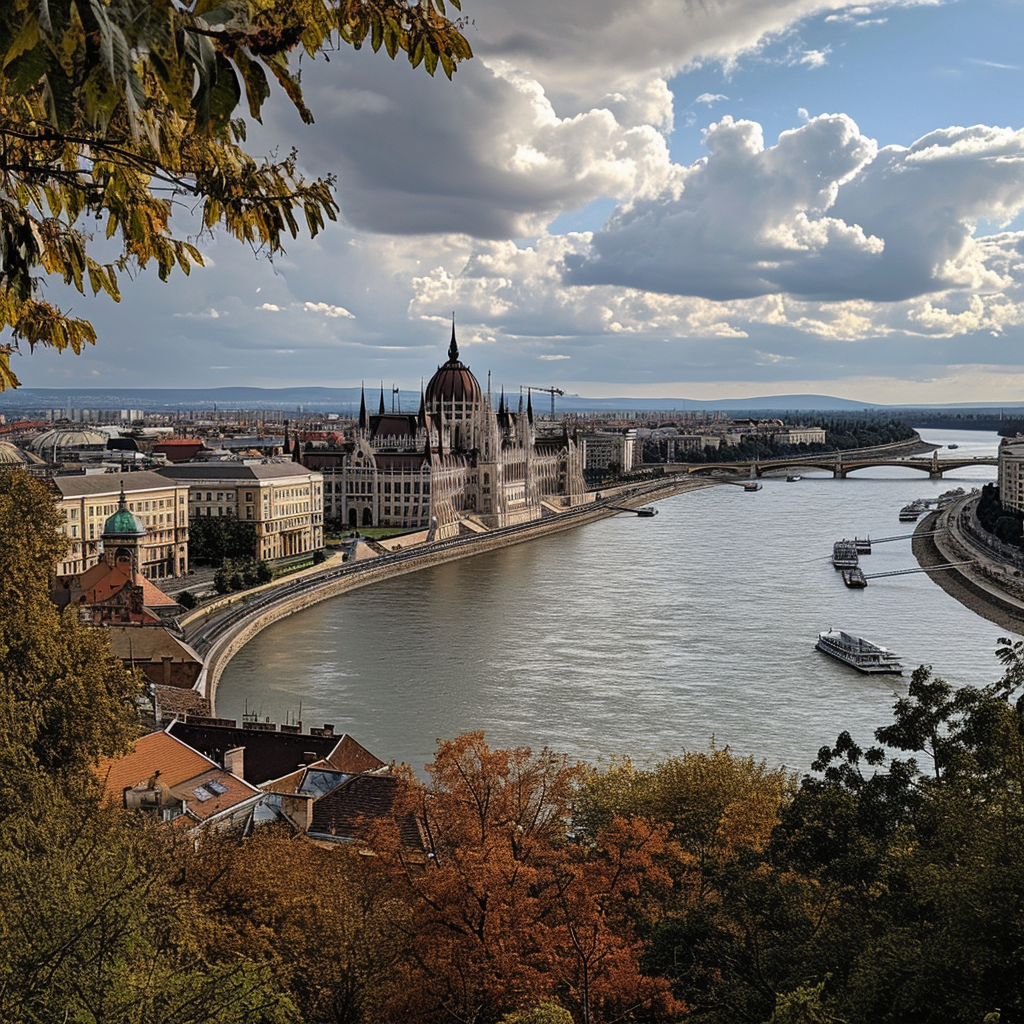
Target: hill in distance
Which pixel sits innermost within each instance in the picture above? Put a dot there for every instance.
(345, 401)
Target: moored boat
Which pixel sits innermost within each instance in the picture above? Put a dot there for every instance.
(859, 653)
(844, 554)
(855, 578)
(752, 485)
(912, 512)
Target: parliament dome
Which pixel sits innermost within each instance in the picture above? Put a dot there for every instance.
(454, 381)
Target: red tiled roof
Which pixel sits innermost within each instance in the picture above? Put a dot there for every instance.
(351, 756)
(179, 767)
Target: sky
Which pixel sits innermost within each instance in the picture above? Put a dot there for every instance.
(701, 199)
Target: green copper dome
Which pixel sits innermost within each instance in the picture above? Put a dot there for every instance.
(122, 523)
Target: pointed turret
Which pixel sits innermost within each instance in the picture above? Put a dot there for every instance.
(421, 416)
(364, 421)
(453, 347)
(529, 407)
(382, 411)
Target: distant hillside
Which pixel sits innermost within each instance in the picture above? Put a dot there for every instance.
(345, 402)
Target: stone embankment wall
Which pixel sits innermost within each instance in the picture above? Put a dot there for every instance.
(984, 586)
(238, 633)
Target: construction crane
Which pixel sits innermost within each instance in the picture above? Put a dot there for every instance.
(548, 391)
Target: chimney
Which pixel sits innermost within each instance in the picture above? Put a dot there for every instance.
(234, 761)
(166, 659)
(311, 756)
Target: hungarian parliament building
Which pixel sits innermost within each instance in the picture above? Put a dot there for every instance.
(458, 464)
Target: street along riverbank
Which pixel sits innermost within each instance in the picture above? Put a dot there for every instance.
(938, 543)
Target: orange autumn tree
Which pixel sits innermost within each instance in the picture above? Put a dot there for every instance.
(506, 910)
(716, 931)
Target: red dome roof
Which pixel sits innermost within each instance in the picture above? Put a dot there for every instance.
(454, 381)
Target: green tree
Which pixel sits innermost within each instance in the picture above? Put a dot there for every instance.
(113, 112)
(65, 701)
(918, 867)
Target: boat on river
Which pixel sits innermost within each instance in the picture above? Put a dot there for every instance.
(855, 578)
(912, 512)
(793, 477)
(752, 485)
(859, 653)
(844, 554)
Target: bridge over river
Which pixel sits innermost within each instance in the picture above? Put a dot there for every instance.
(838, 464)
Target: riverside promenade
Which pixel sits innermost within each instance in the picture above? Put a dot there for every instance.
(219, 630)
(992, 585)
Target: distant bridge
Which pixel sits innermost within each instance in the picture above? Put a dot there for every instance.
(835, 464)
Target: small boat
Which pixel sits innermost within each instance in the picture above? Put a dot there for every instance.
(844, 554)
(863, 545)
(752, 485)
(793, 477)
(952, 446)
(859, 653)
(912, 512)
(647, 511)
(855, 578)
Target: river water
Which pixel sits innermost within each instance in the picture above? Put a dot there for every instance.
(635, 637)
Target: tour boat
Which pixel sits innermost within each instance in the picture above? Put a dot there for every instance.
(859, 653)
(844, 554)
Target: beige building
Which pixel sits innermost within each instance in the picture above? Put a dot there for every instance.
(1011, 472)
(283, 500)
(87, 501)
(799, 435)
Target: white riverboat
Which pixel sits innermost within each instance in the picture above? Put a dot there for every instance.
(861, 654)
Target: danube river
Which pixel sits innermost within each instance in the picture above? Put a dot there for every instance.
(636, 637)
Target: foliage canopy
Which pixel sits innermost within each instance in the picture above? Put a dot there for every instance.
(113, 112)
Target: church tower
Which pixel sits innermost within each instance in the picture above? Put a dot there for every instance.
(121, 536)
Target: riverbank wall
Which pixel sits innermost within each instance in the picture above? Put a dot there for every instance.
(243, 618)
(940, 543)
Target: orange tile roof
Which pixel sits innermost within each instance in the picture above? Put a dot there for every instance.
(179, 767)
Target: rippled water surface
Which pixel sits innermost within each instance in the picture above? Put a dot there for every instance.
(633, 636)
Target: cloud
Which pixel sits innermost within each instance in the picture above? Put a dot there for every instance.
(709, 98)
(326, 309)
(270, 307)
(821, 215)
(553, 358)
(814, 58)
(583, 49)
(486, 156)
(206, 314)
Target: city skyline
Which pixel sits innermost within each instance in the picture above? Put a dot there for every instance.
(754, 198)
